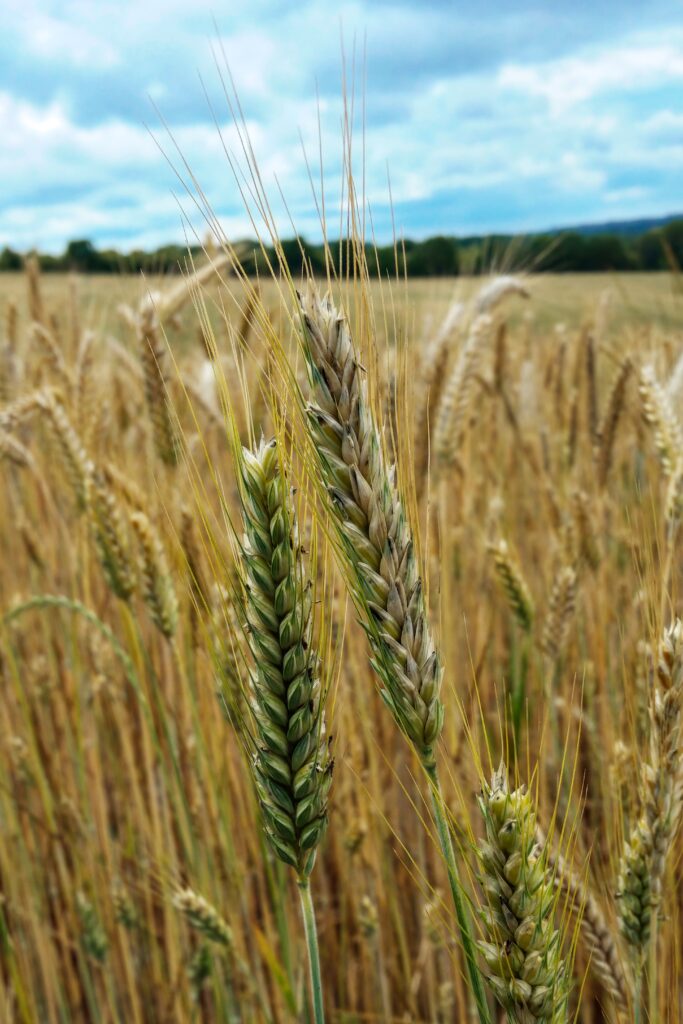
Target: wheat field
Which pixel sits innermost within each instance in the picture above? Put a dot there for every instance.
(465, 493)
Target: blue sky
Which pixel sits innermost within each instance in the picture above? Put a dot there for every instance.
(488, 116)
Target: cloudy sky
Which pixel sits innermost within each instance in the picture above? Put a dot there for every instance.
(486, 115)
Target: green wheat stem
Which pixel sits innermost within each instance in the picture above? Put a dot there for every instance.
(312, 946)
(638, 997)
(464, 924)
(652, 976)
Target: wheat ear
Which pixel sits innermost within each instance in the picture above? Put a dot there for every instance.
(513, 585)
(596, 934)
(376, 536)
(451, 415)
(658, 413)
(379, 559)
(607, 431)
(645, 854)
(291, 765)
(77, 465)
(153, 358)
(157, 586)
(523, 951)
(111, 537)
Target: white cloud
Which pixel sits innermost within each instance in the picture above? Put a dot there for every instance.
(565, 83)
(498, 143)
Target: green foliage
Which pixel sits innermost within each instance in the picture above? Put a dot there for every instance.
(440, 256)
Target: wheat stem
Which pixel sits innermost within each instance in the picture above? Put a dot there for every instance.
(312, 946)
(461, 911)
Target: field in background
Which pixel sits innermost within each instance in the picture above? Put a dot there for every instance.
(122, 776)
(629, 301)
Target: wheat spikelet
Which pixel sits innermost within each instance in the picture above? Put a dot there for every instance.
(9, 364)
(125, 486)
(14, 414)
(675, 383)
(560, 612)
(199, 970)
(31, 542)
(193, 558)
(203, 917)
(658, 414)
(591, 387)
(14, 451)
(158, 591)
(153, 357)
(11, 325)
(496, 290)
(51, 348)
(84, 397)
(372, 525)
(92, 934)
(74, 458)
(645, 854)
(634, 888)
(607, 431)
(663, 773)
(674, 495)
(36, 310)
(125, 911)
(111, 538)
(588, 546)
(230, 657)
(451, 417)
(596, 933)
(291, 763)
(432, 376)
(523, 951)
(500, 359)
(169, 303)
(513, 585)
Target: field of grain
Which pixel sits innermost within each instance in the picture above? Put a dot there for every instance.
(467, 495)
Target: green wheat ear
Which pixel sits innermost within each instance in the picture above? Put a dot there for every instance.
(291, 763)
(523, 951)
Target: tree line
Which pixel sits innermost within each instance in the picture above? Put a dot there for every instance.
(659, 248)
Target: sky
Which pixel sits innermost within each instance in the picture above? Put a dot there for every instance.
(478, 116)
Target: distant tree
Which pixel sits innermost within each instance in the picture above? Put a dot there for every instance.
(10, 260)
(649, 251)
(297, 250)
(673, 234)
(435, 257)
(81, 255)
